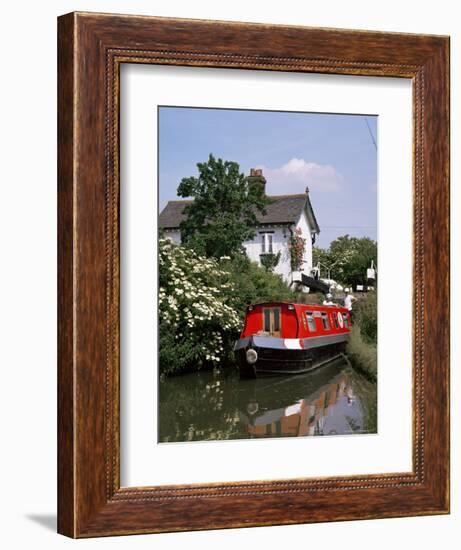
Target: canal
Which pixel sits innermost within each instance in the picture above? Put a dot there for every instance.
(203, 406)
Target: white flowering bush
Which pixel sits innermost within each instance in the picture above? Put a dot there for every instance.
(198, 312)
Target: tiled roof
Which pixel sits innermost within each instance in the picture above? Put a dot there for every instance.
(283, 209)
(172, 215)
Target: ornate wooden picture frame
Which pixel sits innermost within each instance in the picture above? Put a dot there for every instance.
(92, 48)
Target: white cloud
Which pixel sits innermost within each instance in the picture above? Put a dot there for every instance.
(296, 174)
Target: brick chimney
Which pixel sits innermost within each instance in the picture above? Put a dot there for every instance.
(256, 177)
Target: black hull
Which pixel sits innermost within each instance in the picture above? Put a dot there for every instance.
(277, 361)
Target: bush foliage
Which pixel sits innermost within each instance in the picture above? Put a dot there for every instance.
(197, 314)
(252, 284)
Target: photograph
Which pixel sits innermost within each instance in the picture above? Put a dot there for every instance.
(267, 274)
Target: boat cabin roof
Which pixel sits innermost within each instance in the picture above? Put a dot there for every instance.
(297, 307)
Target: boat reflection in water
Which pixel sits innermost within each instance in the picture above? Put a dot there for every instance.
(332, 408)
(334, 400)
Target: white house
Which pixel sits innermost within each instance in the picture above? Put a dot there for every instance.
(285, 214)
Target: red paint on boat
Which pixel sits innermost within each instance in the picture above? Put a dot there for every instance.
(285, 320)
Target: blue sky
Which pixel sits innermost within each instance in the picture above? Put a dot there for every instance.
(334, 155)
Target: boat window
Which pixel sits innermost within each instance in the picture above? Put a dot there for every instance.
(276, 324)
(346, 319)
(311, 321)
(267, 320)
(325, 321)
(335, 321)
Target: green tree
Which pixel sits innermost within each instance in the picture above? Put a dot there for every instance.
(224, 211)
(348, 258)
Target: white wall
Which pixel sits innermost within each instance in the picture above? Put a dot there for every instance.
(175, 236)
(280, 238)
(28, 274)
(306, 233)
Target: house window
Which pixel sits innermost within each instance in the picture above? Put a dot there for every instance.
(325, 321)
(310, 321)
(266, 243)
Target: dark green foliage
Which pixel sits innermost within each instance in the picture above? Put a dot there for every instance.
(253, 284)
(223, 213)
(177, 355)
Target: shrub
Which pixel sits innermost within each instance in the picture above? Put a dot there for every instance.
(198, 320)
(270, 261)
(252, 284)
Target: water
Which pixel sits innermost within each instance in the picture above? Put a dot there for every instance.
(203, 406)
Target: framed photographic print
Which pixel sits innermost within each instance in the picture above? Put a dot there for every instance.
(253, 275)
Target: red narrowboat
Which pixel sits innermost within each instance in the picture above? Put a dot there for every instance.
(285, 338)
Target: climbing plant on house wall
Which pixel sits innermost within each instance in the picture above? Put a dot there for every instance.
(296, 245)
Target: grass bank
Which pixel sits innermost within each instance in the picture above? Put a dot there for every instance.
(362, 354)
(362, 345)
